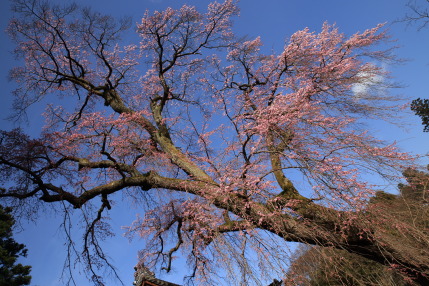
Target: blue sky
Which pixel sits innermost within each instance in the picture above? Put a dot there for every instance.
(274, 21)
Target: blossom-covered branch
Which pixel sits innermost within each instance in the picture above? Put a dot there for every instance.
(234, 144)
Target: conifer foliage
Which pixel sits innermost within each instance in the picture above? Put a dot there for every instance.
(11, 273)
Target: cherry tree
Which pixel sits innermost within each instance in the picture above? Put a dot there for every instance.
(231, 152)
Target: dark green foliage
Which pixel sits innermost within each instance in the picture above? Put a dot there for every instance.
(421, 108)
(276, 283)
(11, 274)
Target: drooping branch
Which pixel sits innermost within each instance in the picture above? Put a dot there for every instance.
(286, 114)
(91, 239)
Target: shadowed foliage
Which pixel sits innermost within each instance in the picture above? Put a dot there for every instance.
(11, 273)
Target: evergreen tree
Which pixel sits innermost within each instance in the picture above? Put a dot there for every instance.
(11, 274)
(421, 108)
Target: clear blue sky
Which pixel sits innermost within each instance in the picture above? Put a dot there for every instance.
(274, 21)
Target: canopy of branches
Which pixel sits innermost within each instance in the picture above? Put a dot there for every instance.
(232, 152)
